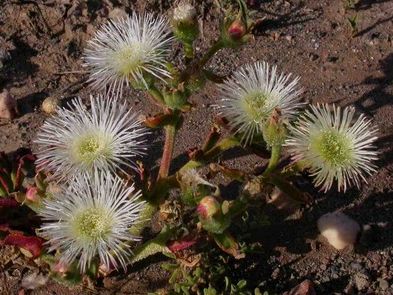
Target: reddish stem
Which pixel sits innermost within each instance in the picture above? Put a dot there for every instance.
(170, 133)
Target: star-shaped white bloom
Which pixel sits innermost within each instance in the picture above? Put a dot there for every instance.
(253, 92)
(90, 218)
(129, 50)
(333, 146)
(106, 137)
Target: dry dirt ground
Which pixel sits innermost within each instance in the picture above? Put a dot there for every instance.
(42, 43)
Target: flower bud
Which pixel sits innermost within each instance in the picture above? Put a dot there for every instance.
(237, 30)
(32, 194)
(184, 13)
(208, 207)
(274, 131)
(185, 24)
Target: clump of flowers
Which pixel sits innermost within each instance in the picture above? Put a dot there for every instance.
(96, 215)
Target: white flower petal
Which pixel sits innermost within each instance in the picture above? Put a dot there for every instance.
(106, 205)
(334, 146)
(127, 49)
(108, 136)
(252, 93)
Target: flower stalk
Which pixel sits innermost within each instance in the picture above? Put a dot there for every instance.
(274, 160)
(170, 134)
(286, 187)
(156, 94)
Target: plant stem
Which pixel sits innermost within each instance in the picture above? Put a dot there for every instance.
(170, 133)
(188, 50)
(274, 159)
(210, 53)
(156, 94)
(210, 155)
(221, 146)
(286, 187)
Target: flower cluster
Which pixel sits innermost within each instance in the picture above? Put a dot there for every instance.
(83, 148)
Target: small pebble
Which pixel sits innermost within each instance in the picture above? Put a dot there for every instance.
(339, 229)
(362, 281)
(383, 284)
(50, 104)
(7, 105)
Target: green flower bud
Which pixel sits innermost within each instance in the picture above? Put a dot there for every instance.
(274, 131)
(185, 23)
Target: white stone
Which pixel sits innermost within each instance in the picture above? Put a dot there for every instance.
(7, 105)
(339, 229)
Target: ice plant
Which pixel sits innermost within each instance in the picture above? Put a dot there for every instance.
(184, 12)
(334, 146)
(91, 217)
(251, 95)
(185, 26)
(80, 140)
(128, 51)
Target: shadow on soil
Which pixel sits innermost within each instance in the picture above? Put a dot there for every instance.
(276, 21)
(378, 97)
(19, 67)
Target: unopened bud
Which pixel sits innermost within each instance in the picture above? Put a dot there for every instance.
(184, 13)
(274, 131)
(237, 30)
(32, 194)
(185, 24)
(60, 268)
(208, 207)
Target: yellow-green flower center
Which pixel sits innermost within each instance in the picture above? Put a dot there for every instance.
(92, 224)
(333, 147)
(128, 59)
(254, 106)
(89, 148)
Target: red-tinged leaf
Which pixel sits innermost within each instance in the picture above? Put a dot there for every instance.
(8, 203)
(5, 181)
(175, 246)
(31, 244)
(6, 229)
(24, 163)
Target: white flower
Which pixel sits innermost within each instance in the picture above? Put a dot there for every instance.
(184, 12)
(334, 146)
(108, 136)
(128, 49)
(252, 93)
(90, 218)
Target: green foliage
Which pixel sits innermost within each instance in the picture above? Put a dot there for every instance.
(213, 275)
(353, 24)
